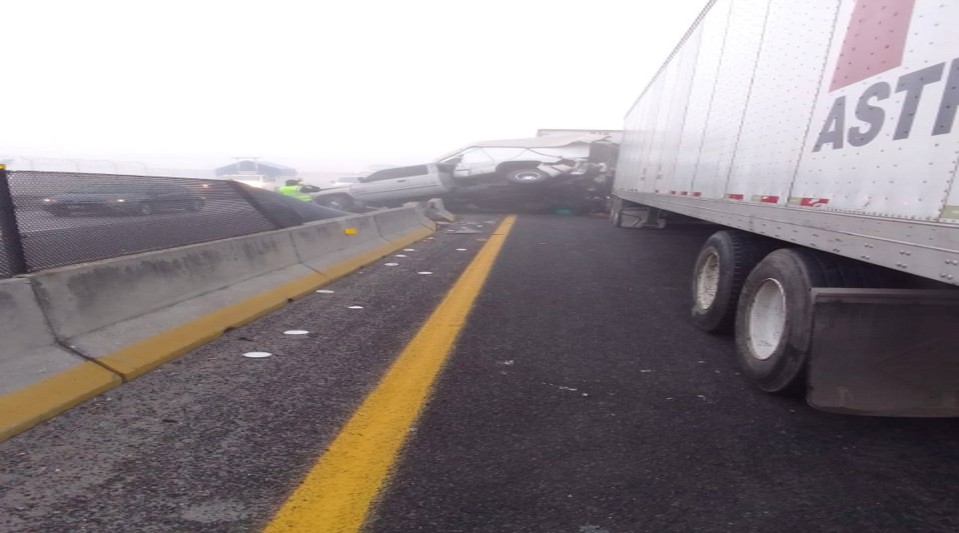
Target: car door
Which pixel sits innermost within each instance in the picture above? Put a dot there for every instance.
(433, 182)
(167, 197)
(398, 184)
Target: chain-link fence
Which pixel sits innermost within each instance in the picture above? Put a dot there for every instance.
(59, 219)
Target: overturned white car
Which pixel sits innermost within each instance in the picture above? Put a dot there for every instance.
(524, 161)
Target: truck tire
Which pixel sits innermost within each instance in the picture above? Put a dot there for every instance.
(725, 260)
(774, 321)
(526, 176)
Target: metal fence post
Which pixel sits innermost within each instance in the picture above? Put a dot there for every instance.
(9, 229)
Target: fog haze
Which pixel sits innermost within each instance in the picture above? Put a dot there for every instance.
(319, 85)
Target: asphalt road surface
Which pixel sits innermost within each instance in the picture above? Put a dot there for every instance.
(578, 399)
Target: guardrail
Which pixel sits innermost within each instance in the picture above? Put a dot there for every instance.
(54, 219)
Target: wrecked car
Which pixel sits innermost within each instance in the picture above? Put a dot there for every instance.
(534, 171)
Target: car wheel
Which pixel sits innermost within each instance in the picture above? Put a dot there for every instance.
(725, 260)
(526, 176)
(341, 202)
(145, 208)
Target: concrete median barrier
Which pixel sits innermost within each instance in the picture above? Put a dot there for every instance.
(109, 309)
(68, 334)
(38, 377)
(399, 226)
(337, 247)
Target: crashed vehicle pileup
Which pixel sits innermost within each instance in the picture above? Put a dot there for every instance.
(571, 171)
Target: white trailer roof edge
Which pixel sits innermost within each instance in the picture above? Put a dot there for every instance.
(679, 45)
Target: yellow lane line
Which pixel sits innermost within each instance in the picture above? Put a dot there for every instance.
(339, 490)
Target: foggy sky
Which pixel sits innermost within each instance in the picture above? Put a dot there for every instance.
(318, 85)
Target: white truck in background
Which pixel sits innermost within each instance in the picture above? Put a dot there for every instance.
(822, 134)
(489, 169)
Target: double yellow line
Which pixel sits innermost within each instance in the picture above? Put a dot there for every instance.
(340, 489)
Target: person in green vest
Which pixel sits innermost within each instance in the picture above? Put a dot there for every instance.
(294, 188)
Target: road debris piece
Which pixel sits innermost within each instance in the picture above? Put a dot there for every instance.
(257, 355)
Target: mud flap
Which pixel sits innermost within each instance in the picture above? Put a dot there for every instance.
(643, 217)
(885, 352)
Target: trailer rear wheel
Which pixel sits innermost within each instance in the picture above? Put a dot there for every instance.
(724, 262)
(774, 321)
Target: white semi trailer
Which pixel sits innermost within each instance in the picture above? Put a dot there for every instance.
(823, 135)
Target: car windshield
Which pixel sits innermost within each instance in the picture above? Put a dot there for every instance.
(110, 188)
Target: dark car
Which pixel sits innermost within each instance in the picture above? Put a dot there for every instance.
(124, 199)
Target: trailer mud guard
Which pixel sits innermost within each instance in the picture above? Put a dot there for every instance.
(885, 352)
(642, 216)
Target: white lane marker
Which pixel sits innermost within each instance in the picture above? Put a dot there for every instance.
(409, 249)
(399, 255)
(295, 332)
(325, 291)
(461, 249)
(424, 273)
(391, 264)
(257, 355)
(355, 307)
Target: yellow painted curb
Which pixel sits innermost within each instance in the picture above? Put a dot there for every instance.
(20, 410)
(27, 407)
